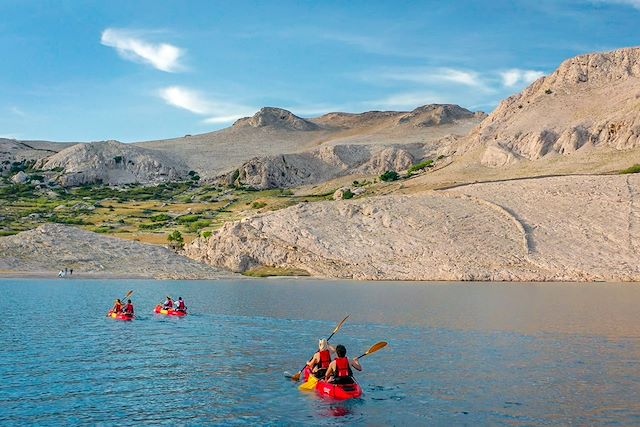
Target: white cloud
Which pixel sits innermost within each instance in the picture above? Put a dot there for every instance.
(163, 56)
(17, 111)
(515, 76)
(190, 100)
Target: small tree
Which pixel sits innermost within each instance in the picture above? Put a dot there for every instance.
(175, 240)
(390, 176)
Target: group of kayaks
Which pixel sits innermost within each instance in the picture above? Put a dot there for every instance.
(159, 309)
(329, 389)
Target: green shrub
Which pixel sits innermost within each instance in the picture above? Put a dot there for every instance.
(160, 218)
(118, 159)
(420, 166)
(150, 225)
(632, 169)
(390, 176)
(194, 227)
(347, 194)
(206, 234)
(258, 205)
(185, 219)
(175, 239)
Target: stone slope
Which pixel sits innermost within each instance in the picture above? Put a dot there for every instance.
(276, 118)
(112, 163)
(591, 102)
(565, 228)
(52, 247)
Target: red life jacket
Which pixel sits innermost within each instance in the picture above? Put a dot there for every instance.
(325, 359)
(117, 308)
(342, 367)
(129, 308)
(169, 303)
(181, 305)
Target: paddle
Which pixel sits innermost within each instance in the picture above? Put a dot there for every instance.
(374, 348)
(296, 377)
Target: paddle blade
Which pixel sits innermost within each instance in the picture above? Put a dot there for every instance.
(128, 295)
(310, 385)
(340, 325)
(374, 348)
(296, 377)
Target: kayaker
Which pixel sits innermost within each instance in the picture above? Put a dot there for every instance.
(321, 360)
(128, 309)
(181, 306)
(339, 371)
(168, 303)
(117, 308)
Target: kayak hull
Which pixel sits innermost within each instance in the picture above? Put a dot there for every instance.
(339, 391)
(169, 312)
(120, 316)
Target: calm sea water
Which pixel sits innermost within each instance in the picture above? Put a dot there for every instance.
(459, 354)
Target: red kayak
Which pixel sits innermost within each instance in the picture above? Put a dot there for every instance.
(120, 316)
(169, 312)
(339, 391)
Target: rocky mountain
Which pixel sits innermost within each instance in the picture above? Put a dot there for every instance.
(276, 118)
(274, 132)
(112, 163)
(591, 102)
(52, 247)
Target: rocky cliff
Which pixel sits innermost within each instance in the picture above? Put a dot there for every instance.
(590, 102)
(112, 163)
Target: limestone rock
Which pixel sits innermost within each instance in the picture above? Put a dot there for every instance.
(20, 178)
(589, 103)
(112, 163)
(278, 118)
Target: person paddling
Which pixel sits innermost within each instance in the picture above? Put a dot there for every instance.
(128, 309)
(181, 306)
(168, 303)
(339, 371)
(117, 308)
(321, 360)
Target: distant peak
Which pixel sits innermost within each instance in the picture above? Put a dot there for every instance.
(277, 118)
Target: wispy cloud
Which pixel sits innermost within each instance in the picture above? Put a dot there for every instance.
(130, 46)
(408, 100)
(195, 102)
(17, 111)
(632, 3)
(428, 77)
(516, 77)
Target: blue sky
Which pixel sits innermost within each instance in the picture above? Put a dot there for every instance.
(140, 70)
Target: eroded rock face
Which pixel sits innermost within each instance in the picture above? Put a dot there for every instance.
(112, 163)
(52, 247)
(566, 228)
(590, 102)
(323, 164)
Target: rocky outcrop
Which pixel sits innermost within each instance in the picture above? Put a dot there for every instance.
(277, 118)
(578, 228)
(13, 152)
(112, 163)
(52, 247)
(437, 114)
(323, 164)
(590, 102)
